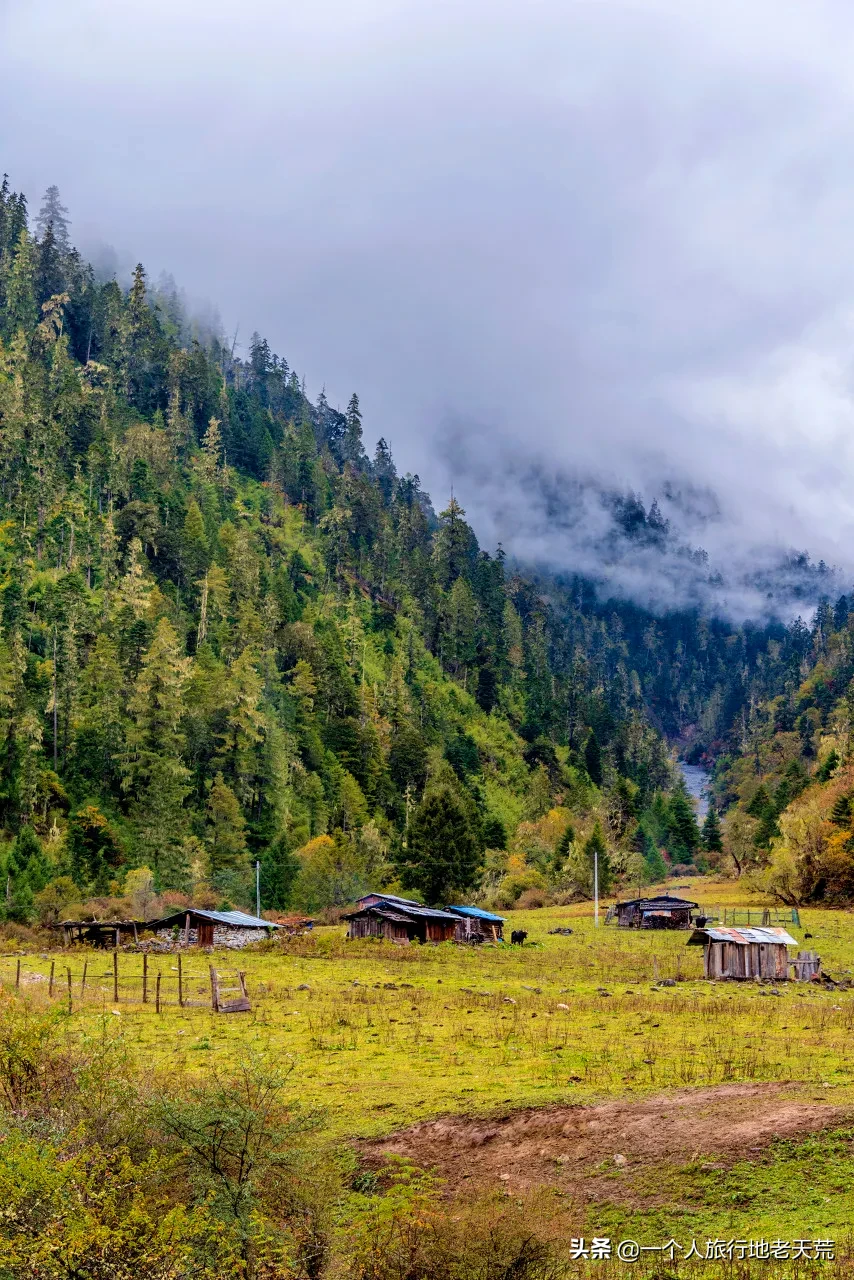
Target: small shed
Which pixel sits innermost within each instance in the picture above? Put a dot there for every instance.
(101, 933)
(744, 953)
(476, 925)
(400, 920)
(663, 912)
(194, 927)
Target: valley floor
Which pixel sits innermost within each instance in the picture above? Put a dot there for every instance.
(649, 1110)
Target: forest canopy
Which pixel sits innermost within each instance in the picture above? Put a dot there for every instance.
(229, 632)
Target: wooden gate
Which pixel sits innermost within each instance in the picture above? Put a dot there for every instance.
(221, 990)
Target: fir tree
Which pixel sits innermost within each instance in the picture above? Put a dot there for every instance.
(442, 855)
(53, 218)
(155, 776)
(593, 759)
(712, 836)
(595, 851)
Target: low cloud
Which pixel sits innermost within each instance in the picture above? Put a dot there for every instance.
(607, 242)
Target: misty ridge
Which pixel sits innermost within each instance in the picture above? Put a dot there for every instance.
(552, 520)
(555, 522)
(564, 523)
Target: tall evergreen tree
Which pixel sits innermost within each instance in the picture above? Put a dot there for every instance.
(155, 777)
(442, 855)
(712, 835)
(53, 219)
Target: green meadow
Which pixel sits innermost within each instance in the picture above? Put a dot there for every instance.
(380, 1037)
(383, 1036)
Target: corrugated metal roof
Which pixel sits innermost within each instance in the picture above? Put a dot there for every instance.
(390, 897)
(476, 914)
(413, 909)
(743, 936)
(663, 900)
(395, 904)
(236, 919)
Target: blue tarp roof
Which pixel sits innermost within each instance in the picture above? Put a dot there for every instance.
(476, 914)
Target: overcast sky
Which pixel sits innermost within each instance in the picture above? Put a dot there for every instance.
(614, 237)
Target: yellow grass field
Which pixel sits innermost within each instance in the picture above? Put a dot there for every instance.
(382, 1037)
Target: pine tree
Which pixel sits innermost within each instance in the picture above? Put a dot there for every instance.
(21, 304)
(683, 832)
(226, 832)
(442, 854)
(593, 759)
(351, 444)
(155, 776)
(564, 845)
(840, 814)
(454, 547)
(50, 279)
(53, 218)
(712, 836)
(279, 871)
(95, 849)
(596, 848)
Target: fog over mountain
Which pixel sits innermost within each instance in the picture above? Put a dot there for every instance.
(560, 249)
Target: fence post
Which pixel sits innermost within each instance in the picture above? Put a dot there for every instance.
(157, 993)
(115, 977)
(50, 984)
(214, 990)
(180, 982)
(145, 977)
(83, 979)
(68, 975)
(18, 975)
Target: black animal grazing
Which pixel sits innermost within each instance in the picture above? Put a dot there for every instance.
(517, 937)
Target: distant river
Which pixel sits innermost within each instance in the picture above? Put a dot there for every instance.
(696, 781)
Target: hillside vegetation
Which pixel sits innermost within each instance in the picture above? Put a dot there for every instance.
(228, 633)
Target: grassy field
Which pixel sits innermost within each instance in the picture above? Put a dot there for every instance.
(382, 1037)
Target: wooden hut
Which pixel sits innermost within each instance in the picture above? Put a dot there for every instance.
(371, 900)
(744, 953)
(476, 925)
(399, 920)
(194, 927)
(101, 933)
(662, 912)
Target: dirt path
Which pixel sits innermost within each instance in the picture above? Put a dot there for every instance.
(558, 1146)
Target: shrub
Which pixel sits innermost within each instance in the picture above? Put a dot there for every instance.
(532, 900)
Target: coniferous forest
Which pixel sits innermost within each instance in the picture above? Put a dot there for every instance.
(233, 630)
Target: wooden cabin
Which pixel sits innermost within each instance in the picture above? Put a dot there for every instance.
(371, 900)
(744, 953)
(193, 927)
(476, 925)
(663, 912)
(399, 920)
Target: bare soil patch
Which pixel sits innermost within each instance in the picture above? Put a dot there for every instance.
(576, 1147)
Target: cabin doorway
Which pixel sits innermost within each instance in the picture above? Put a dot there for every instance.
(206, 931)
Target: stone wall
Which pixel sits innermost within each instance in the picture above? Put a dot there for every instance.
(223, 935)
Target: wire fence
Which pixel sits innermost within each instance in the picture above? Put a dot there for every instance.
(767, 916)
(117, 978)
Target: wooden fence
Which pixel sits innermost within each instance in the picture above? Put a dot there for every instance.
(117, 978)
